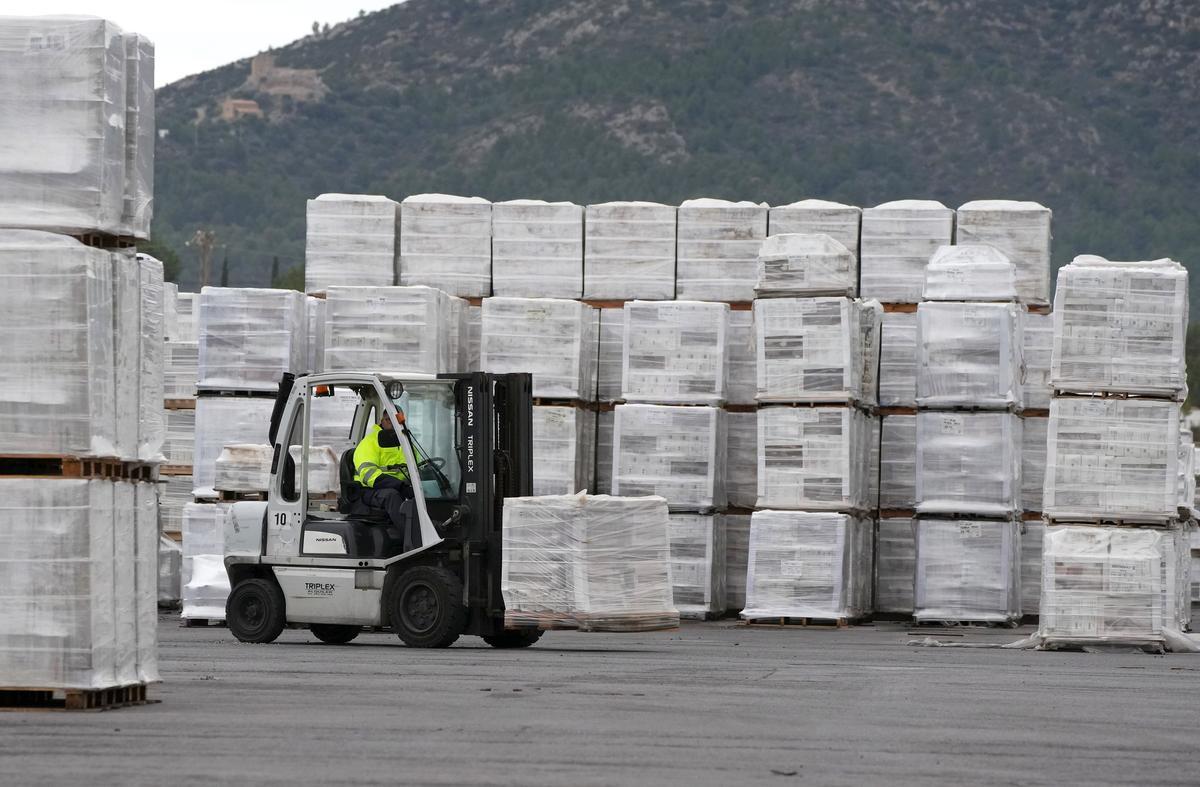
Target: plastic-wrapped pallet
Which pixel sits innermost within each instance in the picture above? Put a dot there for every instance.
(205, 583)
(564, 449)
(1187, 470)
(389, 330)
(737, 553)
(126, 339)
(816, 349)
(698, 564)
(1021, 231)
(187, 317)
(322, 469)
(170, 572)
(604, 451)
(315, 312)
(174, 492)
(898, 462)
(968, 463)
(813, 459)
(599, 563)
(898, 360)
(970, 273)
(898, 238)
(125, 581)
(873, 479)
(459, 330)
(446, 242)
(1037, 337)
(62, 119)
(222, 421)
(243, 468)
(181, 363)
(181, 437)
(969, 355)
(146, 537)
(717, 249)
(250, 337)
(1112, 585)
(675, 452)
(331, 418)
(741, 482)
(1033, 462)
(815, 216)
(674, 352)
(741, 376)
(629, 251)
(140, 132)
(804, 265)
(517, 331)
(151, 361)
(170, 310)
(968, 570)
(474, 338)
(53, 287)
(608, 366)
(351, 239)
(1032, 534)
(896, 565)
(808, 565)
(1120, 327)
(1112, 459)
(537, 249)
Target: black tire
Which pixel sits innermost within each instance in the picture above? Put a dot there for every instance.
(333, 634)
(514, 638)
(254, 611)
(425, 607)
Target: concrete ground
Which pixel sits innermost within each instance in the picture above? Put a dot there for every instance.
(711, 703)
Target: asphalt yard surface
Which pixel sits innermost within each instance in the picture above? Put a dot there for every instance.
(710, 703)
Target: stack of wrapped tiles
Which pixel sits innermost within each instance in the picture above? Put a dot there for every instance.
(351, 238)
(1116, 554)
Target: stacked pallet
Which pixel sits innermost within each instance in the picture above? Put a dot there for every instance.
(629, 251)
(397, 330)
(537, 249)
(351, 238)
(446, 242)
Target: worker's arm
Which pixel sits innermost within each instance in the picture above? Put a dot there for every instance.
(366, 465)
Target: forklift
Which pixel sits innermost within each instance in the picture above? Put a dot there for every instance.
(294, 562)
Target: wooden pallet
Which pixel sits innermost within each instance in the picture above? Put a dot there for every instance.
(899, 308)
(73, 699)
(897, 513)
(823, 623)
(175, 470)
(208, 393)
(1035, 412)
(1121, 395)
(897, 410)
(56, 466)
(233, 497)
(199, 623)
(179, 404)
(104, 240)
(617, 303)
(951, 625)
(1092, 521)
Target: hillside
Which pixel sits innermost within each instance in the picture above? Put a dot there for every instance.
(1089, 107)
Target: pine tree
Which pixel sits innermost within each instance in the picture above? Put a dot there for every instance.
(225, 271)
(275, 271)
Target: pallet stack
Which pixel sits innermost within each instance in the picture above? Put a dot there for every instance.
(81, 428)
(1116, 552)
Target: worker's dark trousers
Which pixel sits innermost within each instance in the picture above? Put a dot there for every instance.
(391, 500)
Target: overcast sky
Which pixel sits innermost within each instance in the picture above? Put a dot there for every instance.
(196, 36)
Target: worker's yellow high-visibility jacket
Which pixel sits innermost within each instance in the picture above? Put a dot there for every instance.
(372, 460)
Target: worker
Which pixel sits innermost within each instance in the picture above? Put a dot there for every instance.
(380, 469)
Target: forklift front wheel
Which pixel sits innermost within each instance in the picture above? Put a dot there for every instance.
(254, 611)
(514, 638)
(426, 607)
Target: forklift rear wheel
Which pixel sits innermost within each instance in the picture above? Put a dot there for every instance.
(333, 634)
(426, 607)
(514, 638)
(254, 611)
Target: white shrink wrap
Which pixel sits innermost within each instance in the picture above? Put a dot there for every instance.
(62, 124)
(814, 458)
(518, 334)
(537, 249)
(140, 132)
(737, 553)
(677, 453)
(674, 352)
(895, 566)
(604, 451)
(446, 242)
(170, 310)
(968, 570)
(1033, 462)
(187, 317)
(125, 581)
(181, 361)
(1032, 534)
(1112, 459)
(474, 338)
(1186, 474)
(969, 273)
(873, 447)
(1037, 338)
(204, 529)
(151, 361)
(818, 217)
(564, 450)
(817, 349)
(351, 239)
(205, 587)
(1121, 327)
(249, 338)
(315, 312)
(717, 251)
(629, 251)
(898, 462)
(898, 238)
(741, 482)
(598, 563)
(741, 376)
(331, 418)
(804, 265)
(243, 468)
(181, 438)
(146, 549)
(394, 330)
(322, 469)
(222, 421)
(58, 619)
(174, 492)
(459, 331)
(126, 338)
(610, 353)
(698, 564)
(57, 388)
(809, 565)
(1113, 585)
(969, 355)
(968, 463)
(898, 360)
(170, 572)
(1020, 231)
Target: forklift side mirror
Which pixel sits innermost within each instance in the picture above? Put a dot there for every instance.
(395, 389)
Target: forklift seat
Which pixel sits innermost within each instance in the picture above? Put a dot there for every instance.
(351, 491)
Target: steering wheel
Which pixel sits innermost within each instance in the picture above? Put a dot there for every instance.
(434, 465)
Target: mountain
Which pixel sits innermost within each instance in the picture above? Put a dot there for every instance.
(1089, 107)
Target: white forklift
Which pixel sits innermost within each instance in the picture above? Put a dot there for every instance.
(295, 562)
